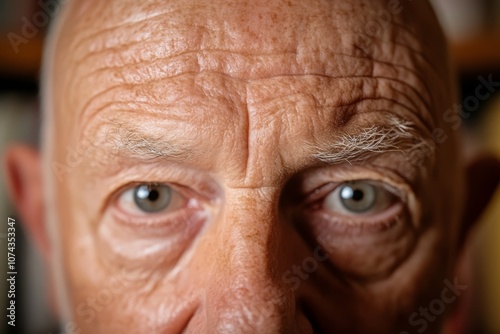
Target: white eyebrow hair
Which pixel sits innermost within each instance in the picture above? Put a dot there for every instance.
(126, 139)
(141, 145)
(397, 136)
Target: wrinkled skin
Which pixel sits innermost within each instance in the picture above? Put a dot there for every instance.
(240, 94)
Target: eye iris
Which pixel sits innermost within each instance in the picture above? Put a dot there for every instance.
(152, 198)
(358, 197)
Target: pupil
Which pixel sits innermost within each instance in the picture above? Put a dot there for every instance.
(152, 198)
(153, 195)
(357, 195)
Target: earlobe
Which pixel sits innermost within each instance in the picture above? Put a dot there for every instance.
(24, 183)
(482, 179)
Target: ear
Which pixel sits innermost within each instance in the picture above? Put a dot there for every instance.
(482, 179)
(24, 183)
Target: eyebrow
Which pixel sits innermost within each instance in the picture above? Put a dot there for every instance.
(397, 136)
(125, 138)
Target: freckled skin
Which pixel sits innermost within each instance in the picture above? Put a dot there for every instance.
(250, 86)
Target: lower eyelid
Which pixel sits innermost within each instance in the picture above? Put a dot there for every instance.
(162, 224)
(355, 225)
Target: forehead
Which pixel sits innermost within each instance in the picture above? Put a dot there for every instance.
(305, 69)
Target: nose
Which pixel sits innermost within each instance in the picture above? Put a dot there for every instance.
(244, 290)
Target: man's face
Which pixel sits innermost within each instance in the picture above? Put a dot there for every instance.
(251, 167)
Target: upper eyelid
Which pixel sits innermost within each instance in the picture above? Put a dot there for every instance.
(319, 192)
(335, 185)
(127, 174)
(131, 186)
(315, 178)
(396, 191)
(204, 190)
(186, 192)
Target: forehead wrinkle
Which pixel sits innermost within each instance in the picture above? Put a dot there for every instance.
(196, 54)
(121, 78)
(151, 99)
(139, 21)
(112, 37)
(222, 59)
(298, 54)
(322, 90)
(229, 77)
(420, 87)
(284, 91)
(184, 38)
(421, 57)
(183, 17)
(413, 105)
(404, 31)
(279, 91)
(316, 95)
(133, 93)
(165, 52)
(108, 33)
(285, 87)
(417, 98)
(120, 60)
(337, 116)
(429, 52)
(194, 61)
(166, 37)
(205, 27)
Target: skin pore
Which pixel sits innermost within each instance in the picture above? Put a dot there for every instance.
(250, 117)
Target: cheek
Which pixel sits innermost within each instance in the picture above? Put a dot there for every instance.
(121, 302)
(416, 284)
(374, 259)
(116, 276)
(112, 299)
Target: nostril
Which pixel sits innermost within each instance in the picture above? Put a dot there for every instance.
(305, 319)
(304, 326)
(189, 322)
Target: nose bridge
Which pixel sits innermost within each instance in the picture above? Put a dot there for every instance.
(248, 292)
(251, 230)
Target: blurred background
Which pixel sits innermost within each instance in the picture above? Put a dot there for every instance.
(474, 30)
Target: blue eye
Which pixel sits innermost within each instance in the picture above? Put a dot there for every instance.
(358, 197)
(152, 198)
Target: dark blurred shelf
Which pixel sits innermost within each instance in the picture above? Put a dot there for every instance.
(478, 53)
(23, 65)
